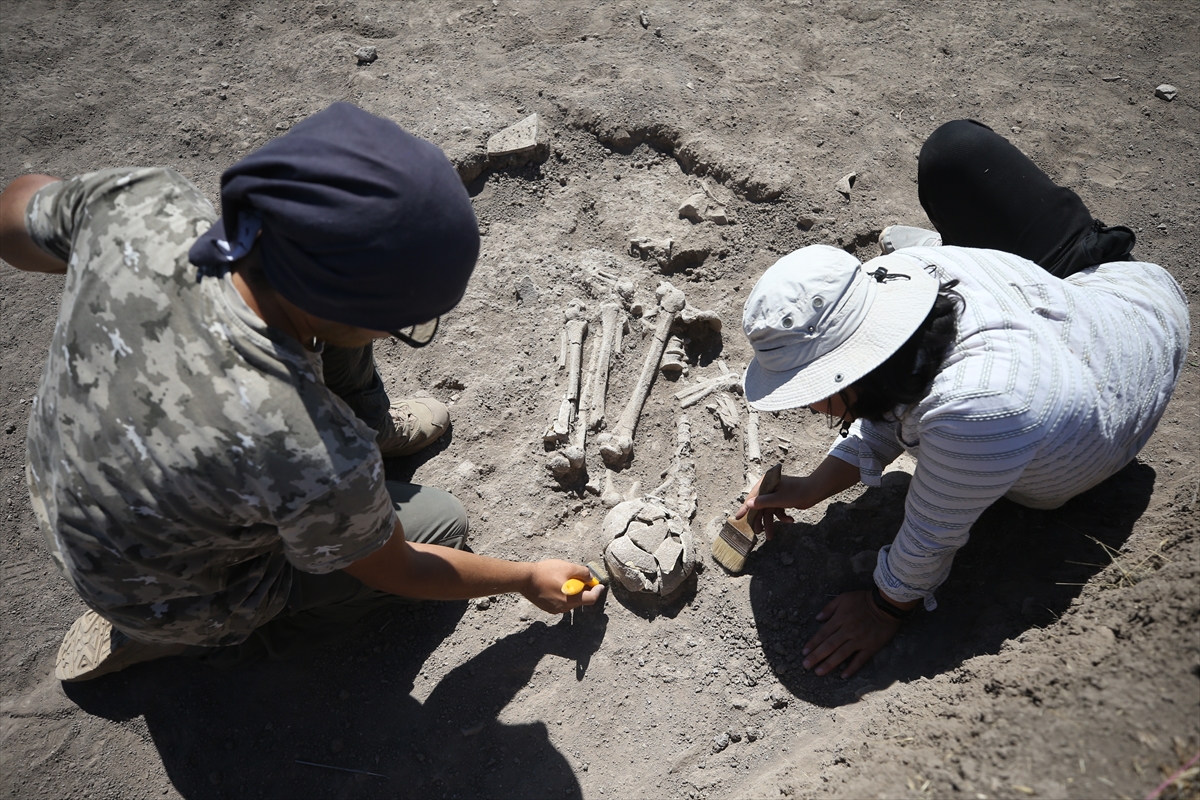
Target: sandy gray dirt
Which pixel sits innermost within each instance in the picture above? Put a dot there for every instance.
(1065, 658)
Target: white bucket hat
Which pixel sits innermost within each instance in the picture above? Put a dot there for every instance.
(819, 320)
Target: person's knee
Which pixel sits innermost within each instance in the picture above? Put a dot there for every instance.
(429, 515)
(455, 526)
(955, 145)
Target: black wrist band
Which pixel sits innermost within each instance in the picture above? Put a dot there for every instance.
(895, 612)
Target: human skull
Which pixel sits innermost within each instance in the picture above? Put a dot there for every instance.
(649, 548)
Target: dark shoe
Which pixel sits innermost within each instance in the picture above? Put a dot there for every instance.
(416, 423)
(93, 647)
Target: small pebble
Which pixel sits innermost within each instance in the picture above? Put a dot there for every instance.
(786, 558)
(366, 54)
(720, 742)
(1166, 92)
(337, 745)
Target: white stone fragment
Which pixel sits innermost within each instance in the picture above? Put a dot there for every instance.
(521, 137)
(845, 183)
(1165, 91)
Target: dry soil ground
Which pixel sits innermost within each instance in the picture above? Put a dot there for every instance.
(1065, 659)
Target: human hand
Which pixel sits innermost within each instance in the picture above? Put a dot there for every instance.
(855, 630)
(792, 492)
(545, 584)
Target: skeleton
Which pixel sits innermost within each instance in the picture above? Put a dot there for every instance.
(617, 447)
(650, 545)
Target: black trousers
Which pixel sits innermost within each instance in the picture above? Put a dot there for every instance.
(981, 191)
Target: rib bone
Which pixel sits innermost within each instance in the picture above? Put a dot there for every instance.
(617, 447)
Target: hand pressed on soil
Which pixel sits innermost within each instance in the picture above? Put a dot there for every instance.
(856, 630)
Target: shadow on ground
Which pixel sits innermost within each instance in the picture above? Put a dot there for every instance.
(239, 733)
(1021, 569)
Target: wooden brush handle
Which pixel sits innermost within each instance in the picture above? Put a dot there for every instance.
(769, 483)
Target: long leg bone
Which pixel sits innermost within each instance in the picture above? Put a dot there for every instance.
(617, 447)
(611, 322)
(575, 330)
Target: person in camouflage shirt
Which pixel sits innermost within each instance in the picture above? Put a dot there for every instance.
(197, 479)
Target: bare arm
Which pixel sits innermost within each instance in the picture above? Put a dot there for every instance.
(432, 572)
(16, 246)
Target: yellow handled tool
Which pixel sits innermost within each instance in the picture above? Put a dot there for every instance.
(574, 586)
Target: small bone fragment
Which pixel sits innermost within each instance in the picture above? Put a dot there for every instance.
(562, 348)
(730, 419)
(560, 427)
(674, 362)
(845, 183)
(611, 321)
(610, 496)
(625, 289)
(727, 413)
(647, 537)
(694, 394)
(667, 554)
(693, 316)
(617, 447)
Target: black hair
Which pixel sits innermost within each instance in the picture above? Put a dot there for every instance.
(908, 373)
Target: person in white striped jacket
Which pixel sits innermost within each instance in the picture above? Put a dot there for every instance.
(1017, 351)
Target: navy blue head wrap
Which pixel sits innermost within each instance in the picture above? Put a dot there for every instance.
(361, 223)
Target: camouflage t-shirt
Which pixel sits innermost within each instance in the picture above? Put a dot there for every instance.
(183, 456)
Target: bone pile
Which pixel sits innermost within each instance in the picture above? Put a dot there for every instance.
(582, 407)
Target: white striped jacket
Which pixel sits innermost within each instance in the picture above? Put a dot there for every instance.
(1051, 387)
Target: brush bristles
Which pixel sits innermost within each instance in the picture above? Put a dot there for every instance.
(733, 546)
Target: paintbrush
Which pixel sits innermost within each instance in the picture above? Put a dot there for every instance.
(737, 537)
(574, 586)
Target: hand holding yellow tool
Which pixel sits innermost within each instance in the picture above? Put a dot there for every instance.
(574, 586)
